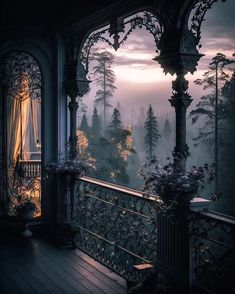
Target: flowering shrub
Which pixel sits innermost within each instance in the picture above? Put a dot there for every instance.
(70, 166)
(174, 184)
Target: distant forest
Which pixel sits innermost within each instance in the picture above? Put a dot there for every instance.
(120, 140)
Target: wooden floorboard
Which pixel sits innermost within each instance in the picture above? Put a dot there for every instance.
(35, 266)
(98, 276)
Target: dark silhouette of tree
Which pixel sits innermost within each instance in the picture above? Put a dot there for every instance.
(84, 125)
(166, 132)
(227, 150)
(112, 151)
(208, 107)
(105, 78)
(212, 107)
(151, 132)
(118, 106)
(116, 122)
(141, 116)
(96, 124)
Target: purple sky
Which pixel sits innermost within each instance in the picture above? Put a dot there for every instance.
(140, 80)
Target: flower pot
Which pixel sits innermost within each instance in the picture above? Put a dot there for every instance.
(26, 213)
(181, 197)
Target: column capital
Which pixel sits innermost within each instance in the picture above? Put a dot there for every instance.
(75, 83)
(179, 52)
(78, 84)
(182, 102)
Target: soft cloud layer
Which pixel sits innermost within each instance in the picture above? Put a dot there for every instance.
(141, 81)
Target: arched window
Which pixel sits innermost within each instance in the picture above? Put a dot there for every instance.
(21, 76)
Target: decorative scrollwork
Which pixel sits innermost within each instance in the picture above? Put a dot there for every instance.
(213, 249)
(21, 74)
(143, 19)
(24, 182)
(199, 9)
(116, 228)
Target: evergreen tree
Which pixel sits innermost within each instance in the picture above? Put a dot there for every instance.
(116, 121)
(166, 129)
(96, 124)
(112, 151)
(227, 151)
(212, 107)
(84, 125)
(151, 132)
(207, 107)
(105, 79)
(141, 116)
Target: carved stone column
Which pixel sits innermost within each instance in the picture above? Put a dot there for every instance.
(73, 108)
(180, 100)
(75, 85)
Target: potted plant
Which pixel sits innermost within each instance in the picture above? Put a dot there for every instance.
(26, 210)
(173, 184)
(68, 170)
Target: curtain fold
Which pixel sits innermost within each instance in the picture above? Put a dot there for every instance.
(23, 127)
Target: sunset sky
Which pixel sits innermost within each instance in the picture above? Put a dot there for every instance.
(141, 81)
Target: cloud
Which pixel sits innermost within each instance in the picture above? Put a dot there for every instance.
(135, 42)
(136, 53)
(218, 28)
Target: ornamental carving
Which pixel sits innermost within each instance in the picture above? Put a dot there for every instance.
(143, 19)
(116, 228)
(199, 9)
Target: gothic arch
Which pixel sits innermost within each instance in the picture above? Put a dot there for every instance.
(137, 19)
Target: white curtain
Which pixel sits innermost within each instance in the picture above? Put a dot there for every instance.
(18, 117)
(23, 128)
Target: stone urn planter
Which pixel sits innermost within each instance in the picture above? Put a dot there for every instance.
(26, 212)
(173, 184)
(182, 197)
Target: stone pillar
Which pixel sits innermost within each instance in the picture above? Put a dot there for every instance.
(3, 161)
(73, 108)
(75, 85)
(180, 100)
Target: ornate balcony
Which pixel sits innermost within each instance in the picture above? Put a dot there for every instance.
(129, 233)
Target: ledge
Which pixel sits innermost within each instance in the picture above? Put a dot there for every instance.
(200, 204)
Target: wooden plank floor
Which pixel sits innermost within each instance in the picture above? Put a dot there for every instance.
(35, 266)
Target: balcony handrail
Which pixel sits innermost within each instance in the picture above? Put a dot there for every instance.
(119, 188)
(123, 228)
(219, 216)
(30, 161)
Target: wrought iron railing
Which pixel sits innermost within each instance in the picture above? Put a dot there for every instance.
(117, 226)
(30, 168)
(24, 182)
(213, 250)
(130, 233)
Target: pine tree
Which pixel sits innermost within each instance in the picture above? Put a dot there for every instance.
(207, 107)
(105, 79)
(116, 121)
(227, 150)
(118, 107)
(212, 107)
(166, 129)
(151, 132)
(84, 125)
(96, 124)
(141, 116)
